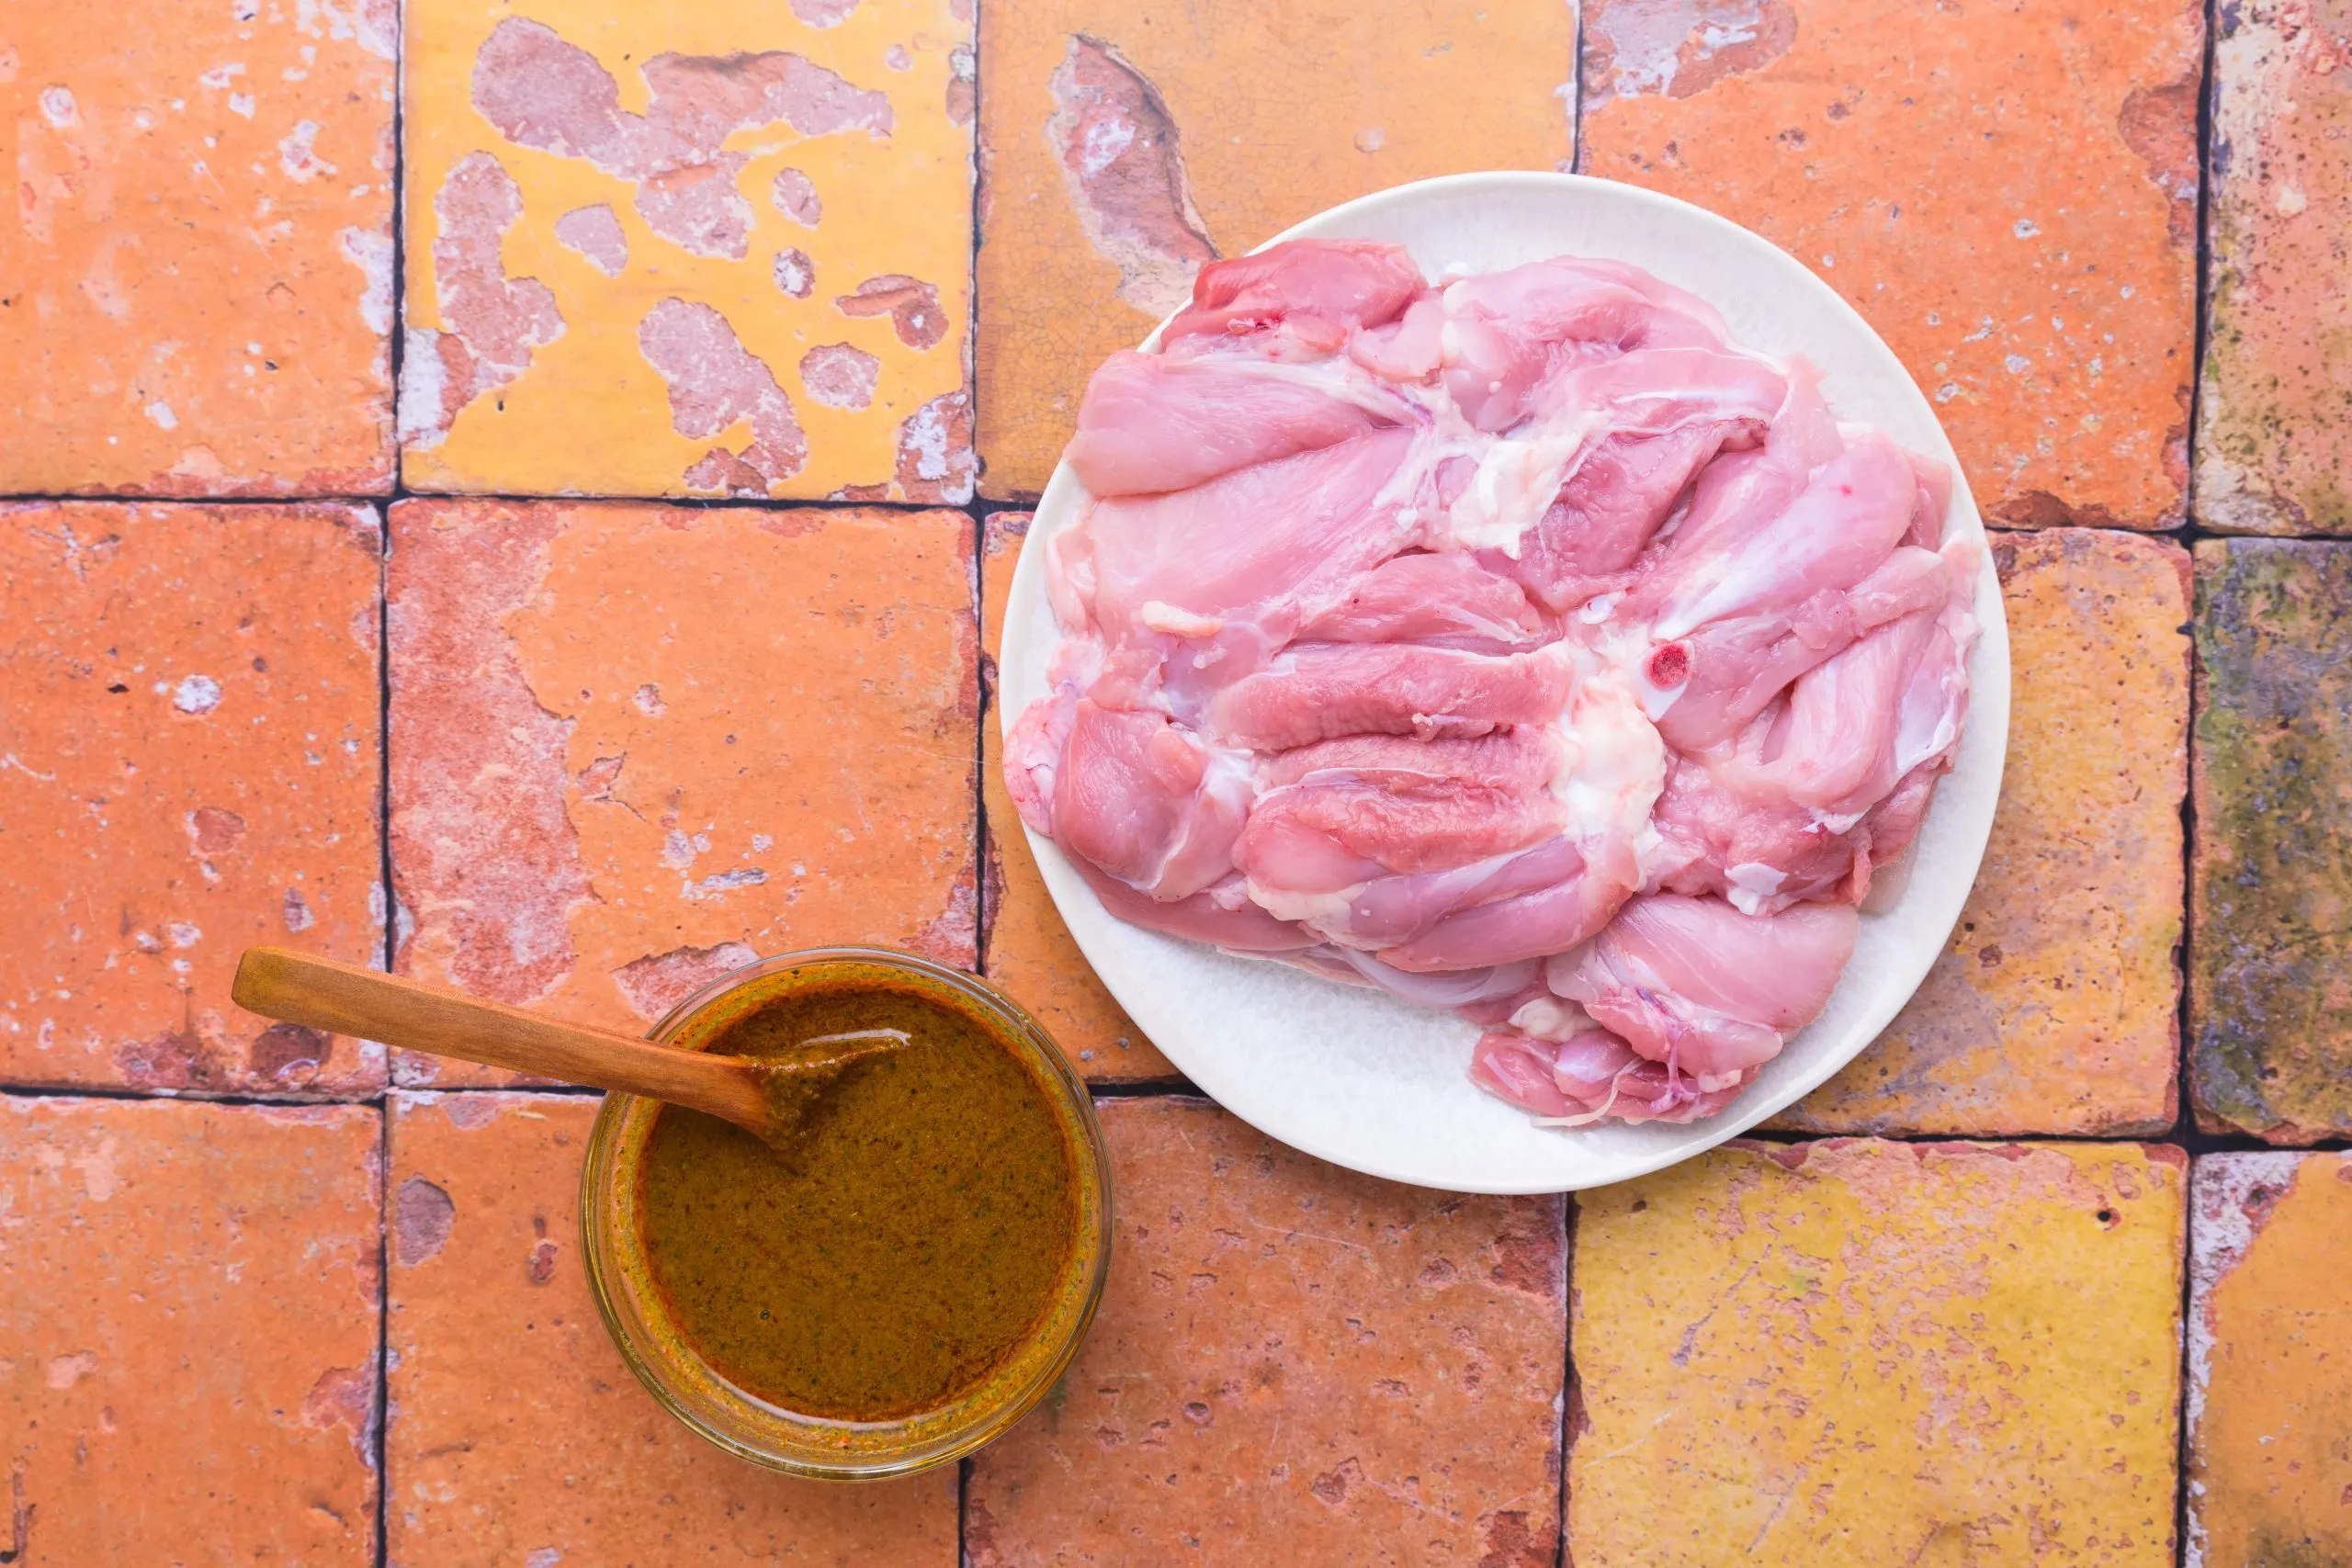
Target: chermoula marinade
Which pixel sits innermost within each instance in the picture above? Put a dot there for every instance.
(904, 1241)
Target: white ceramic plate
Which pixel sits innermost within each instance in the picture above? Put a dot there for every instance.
(1365, 1081)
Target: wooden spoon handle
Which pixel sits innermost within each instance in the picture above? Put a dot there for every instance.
(347, 999)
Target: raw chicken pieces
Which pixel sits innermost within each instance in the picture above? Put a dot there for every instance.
(1516, 644)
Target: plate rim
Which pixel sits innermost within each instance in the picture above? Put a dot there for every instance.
(1989, 675)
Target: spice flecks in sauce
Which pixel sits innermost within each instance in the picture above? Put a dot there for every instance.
(900, 1247)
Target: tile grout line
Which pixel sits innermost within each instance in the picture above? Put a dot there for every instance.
(1561, 1556)
(984, 708)
(2186, 1128)
(2184, 533)
(1576, 159)
(984, 667)
(2195, 1144)
(395, 359)
(382, 1099)
(380, 1436)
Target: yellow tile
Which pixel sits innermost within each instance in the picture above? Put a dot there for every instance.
(1866, 1353)
(688, 250)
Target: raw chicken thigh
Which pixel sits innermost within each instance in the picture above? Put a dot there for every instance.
(1516, 644)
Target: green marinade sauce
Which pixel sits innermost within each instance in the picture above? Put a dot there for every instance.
(904, 1242)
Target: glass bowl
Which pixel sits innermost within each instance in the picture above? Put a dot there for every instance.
(741, 1422)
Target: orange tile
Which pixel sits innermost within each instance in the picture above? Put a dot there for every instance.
(1853, 1354)
(2273, 422)
(196, 297)
(1124, 144)
(722, 249)
(2008, 193)
(1024, 946)
(1330, 1368)
(634, 745)
(187, 1343)
(2270, 1361)
(517, 1435)
(2055, 1007)
(189, 764)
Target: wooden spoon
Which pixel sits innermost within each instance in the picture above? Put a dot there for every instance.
(768, 1098)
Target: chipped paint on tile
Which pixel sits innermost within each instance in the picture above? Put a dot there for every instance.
(659, 981)
(1679, 47)
(544, 92)
(2231, 1197)
(486, 861)
(491, 323)
(715, 383)
(1117, 146)
(670, 169)
(937, 465)
(597, 235)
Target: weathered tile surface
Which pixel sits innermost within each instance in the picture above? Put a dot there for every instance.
(2056, 1006)
(1024, 945)
(2008, 193)
(2270, 1006)
(189, 764)
(1857, 1352)
(517, 1435)
(2276, 415)
(1329, 1368)
(195, 290)
(701, 250)
(188, 1299)
(1124, 144)
(2270, 1361)
(634, 745)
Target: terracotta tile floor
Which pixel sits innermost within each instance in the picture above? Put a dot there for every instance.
(358, 590)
